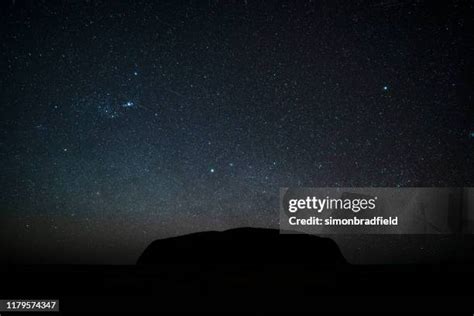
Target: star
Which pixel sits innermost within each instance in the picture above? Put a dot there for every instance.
(128, 104)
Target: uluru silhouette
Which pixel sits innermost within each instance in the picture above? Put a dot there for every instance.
(243, 245)
(245, 269)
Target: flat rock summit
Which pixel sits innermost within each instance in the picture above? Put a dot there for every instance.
(243, 245)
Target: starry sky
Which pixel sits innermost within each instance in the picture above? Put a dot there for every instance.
(127, 121)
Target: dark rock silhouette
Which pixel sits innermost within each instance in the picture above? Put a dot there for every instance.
(241, 270)
(243, 245)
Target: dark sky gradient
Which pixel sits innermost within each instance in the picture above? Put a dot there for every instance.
(127, 121)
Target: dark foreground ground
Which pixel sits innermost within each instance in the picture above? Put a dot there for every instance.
(245, 270)
(227, 287)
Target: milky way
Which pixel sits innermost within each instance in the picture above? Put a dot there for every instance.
(125, 122)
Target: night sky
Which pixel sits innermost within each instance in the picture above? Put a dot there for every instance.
(127, 121)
